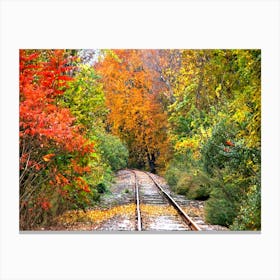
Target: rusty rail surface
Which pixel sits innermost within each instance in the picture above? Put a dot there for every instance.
(180, 211)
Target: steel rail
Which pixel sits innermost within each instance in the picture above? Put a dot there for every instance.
(185, 217)
(138, 213)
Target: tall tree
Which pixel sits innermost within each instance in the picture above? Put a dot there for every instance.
(135, 115)
(51, 144)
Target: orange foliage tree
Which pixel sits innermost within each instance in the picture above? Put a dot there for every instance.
(136, 115)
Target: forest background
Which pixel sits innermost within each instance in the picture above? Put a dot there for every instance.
(193, 116)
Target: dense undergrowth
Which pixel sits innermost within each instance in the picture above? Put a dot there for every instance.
(217, 144)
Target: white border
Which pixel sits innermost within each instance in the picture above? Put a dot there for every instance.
(147, 24)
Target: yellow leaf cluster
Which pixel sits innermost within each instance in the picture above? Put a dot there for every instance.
(188, 143)
(157, 210)
(193, 211)
(95, 216)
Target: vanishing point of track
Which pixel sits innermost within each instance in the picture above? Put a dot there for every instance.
(153, 194)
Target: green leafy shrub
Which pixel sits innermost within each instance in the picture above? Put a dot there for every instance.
(193, 184)
(188, 181)
(249, 216)
(220, 210)
(225, 197)
(113, 151)
(101, 188)
(233, 168)
(199, 192)
(215, 153)
(184, 183)
(171, 175)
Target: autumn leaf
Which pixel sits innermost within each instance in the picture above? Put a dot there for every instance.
(229, 143)
(48, 157)
(65, 78)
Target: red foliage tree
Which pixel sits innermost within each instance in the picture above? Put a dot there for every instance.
(49, 137)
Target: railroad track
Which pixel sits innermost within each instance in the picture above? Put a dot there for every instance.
(156, 209)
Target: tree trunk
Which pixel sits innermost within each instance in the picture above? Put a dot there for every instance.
(152, 162)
